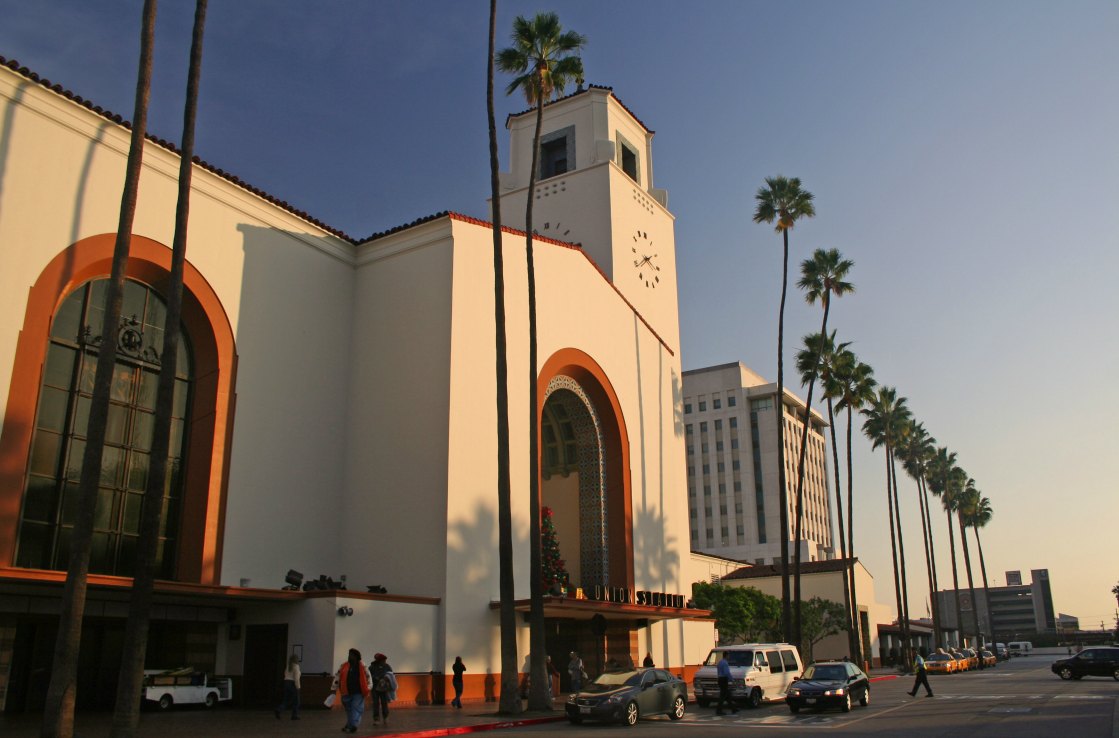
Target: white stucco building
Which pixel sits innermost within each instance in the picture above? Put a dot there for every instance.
(730, 428)
(337, 410)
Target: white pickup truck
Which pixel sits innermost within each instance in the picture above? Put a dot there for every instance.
(185, 686)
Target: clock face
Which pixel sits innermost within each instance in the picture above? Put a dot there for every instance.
(645, 260)
(558, 231)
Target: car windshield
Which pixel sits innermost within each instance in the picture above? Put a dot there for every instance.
(615, 679)
(828, 672)
(734, 658)
(939, 657)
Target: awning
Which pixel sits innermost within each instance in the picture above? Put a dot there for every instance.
(569, 607)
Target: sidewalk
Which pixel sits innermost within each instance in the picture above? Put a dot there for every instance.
(228, 722)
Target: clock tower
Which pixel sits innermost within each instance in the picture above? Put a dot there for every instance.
(595, 188)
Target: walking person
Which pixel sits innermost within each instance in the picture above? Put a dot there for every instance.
(648, 662)
(553, 674)
(352, 682)
(456, 681)
(384, 687)
(723, 671)
(576, 672)
(291, 688)
(922, 677)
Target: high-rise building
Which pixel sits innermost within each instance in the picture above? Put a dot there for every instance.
(730, 433)
(1003, 612)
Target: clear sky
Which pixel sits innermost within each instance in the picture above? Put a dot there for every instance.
(964, 153)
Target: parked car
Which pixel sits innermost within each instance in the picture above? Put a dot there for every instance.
(1098, 661)
(626, 696)
(760, 672)
(972, 658)
(941, 663)
(829, 684)
(961, 659)
(1002, 652)
(989, 659)
(185, 686)
(1021, 648)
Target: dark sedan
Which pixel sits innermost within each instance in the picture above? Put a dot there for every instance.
(627, 696)
(829, 684)
(1100, 661)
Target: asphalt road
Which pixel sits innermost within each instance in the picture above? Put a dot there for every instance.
(1021, 698)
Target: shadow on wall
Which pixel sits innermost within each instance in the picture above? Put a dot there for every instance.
(654, 551)
(472, 550)
(6, 132)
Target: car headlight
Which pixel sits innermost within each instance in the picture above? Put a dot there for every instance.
(835, 692)
(616, 698)
(794, 693)
(571, 698)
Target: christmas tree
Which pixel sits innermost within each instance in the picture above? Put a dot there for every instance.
(553, 567)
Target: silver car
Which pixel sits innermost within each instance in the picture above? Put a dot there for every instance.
(627, 696)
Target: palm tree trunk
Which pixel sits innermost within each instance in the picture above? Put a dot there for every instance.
(894, 550)
(938, 622)
(955, 580)
(926, 534)
(800, 483)
(126, 715)
(970, 581)
(901, 560)
(510, 698)
(538, 689)
(851, 650)
(859, 656)
(782, 490)
(986, 591)
(58, 713)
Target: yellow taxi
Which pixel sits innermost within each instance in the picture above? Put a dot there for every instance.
(940, 663)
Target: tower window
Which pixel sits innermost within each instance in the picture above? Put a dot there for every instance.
(557, 152)
(627, 158)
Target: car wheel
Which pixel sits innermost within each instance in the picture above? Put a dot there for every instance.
(794, 709)
(754, 699)
(165, 702)
(846, 706)
(1116, 673)
(1065, 673)
(211, 699)
(677, 708)
(632, 714)
(865, 699)
(702, 701)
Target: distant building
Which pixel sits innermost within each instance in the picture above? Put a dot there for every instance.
(730, 430)
(1013, 609)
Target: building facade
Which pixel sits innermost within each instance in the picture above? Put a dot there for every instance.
(336, 412)
(730, 432)
(1003, 612)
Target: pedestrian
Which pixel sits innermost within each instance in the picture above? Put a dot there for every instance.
(456, 681)
(352, 682)
(291, 688)
(922, 677)
(553, 673)
(648, 662)
(723, 670)
(384, 687)
(576, 672)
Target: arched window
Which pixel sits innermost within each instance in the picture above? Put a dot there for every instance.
(50, 497)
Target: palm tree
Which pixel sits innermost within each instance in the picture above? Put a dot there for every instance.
(947, 481)
(126, 715)
(855, 386)
(543, 58)
(979, 515)
(58, 712)
(885, 427)
(831, 358)
(916, 452)
(822, 277)
(782, 200)
(510, 697)
(964, 509)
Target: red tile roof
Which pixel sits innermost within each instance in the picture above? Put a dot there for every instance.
(580, 92)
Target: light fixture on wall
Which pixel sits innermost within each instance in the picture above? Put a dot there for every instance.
(345, 611)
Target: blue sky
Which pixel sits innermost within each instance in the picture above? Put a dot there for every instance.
(962, 153)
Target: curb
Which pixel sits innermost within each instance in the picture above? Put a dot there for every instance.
(886, 678)
(462, 729)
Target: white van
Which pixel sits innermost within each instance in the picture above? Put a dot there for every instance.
(1021, 648)
(760, 672)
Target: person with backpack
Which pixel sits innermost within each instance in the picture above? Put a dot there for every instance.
(384, 687)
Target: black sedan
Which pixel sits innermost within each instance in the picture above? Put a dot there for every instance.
(829, 684)
(1101, 661)
(627, 696)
